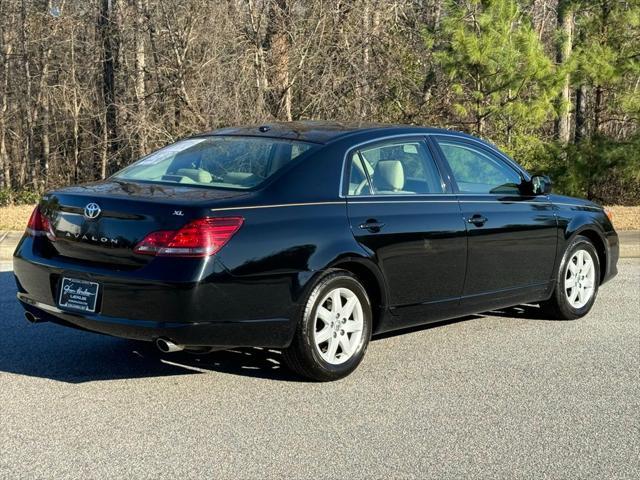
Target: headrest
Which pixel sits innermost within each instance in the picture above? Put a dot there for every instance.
(196, 174)
(388, 175)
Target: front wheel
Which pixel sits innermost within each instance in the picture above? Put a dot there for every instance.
(576, 282)
(334, 330)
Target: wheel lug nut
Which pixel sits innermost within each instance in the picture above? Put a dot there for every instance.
(344, 320)
(335, 334)
(341, 332)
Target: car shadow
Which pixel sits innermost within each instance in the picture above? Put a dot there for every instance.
(63, 354)
(428, 326)
(72, 356)
(523, 312)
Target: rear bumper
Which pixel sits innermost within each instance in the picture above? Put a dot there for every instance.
(189, 301)
(274, 332)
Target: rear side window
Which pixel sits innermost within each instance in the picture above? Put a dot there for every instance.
(224, 162)
(477, 171)
(394, 168)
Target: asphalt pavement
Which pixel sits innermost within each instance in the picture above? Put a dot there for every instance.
(502, 395)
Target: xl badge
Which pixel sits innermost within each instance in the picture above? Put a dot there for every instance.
(92, 211)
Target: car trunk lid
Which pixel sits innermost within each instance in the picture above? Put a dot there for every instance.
(101, 223)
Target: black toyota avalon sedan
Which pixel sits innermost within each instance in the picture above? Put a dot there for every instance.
(309, 237)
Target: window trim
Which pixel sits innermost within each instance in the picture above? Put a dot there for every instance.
(483, 148)
(420, 138)
(366, 171)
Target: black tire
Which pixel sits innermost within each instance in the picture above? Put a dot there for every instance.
(302, 355)
(558, 306)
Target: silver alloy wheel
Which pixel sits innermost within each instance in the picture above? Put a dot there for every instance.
(338, 325)
(579, 281)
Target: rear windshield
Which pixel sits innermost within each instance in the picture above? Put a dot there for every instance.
(225, 162)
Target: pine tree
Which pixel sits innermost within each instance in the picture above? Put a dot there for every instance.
(504, 84)
(609, 64)
(607, 79)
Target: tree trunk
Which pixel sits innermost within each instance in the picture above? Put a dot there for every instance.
(160, 84)
(109, 54)
(597, 115)
(5, 166)
(29, 152)
(278, 44)
(104, 150)
(581, 113)
(75, 113)
(42, 101)
(20, 172)
(431, 13)
(566, 25)
(437, 14)
(598, 107)
(262, 84)
(46, 147)
(140, 84)
(259, 62)
(479, 113)
(180, 41)
(362, 78)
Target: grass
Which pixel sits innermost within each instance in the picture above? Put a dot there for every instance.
(16, 217)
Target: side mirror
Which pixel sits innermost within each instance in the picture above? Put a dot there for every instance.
(541, 184)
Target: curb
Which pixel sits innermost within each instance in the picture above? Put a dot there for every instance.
(629, 244)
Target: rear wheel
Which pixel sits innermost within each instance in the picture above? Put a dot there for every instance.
(334, 330)
(576, 282)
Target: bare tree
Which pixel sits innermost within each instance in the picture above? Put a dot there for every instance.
(86, 87)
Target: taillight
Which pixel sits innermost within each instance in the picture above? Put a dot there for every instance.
(40, 225)
(198, 238)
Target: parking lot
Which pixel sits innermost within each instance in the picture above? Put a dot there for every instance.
(502, 395)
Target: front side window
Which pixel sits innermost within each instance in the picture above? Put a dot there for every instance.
(224, 162)
(478, 171)
(395, 168)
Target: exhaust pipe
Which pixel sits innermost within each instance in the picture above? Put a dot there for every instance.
(31, 318)
(167, 346)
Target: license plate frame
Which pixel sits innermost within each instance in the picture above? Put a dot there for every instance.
(78, 295)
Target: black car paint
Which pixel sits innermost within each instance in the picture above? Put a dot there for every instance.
(428, 262)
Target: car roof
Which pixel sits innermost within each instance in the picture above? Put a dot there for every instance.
(320, 131)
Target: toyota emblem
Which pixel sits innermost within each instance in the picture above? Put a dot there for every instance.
(91, 211)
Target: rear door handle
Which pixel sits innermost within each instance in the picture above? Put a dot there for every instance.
(372, 225)
(477, 219)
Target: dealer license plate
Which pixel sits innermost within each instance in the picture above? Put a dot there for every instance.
(78, 295)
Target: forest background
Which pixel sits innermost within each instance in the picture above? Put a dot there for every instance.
(88, 86)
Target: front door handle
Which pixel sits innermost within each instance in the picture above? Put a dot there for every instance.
(477, 219)
(372, 225)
